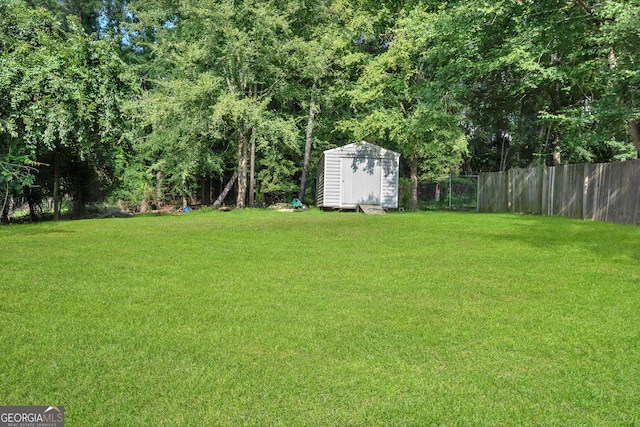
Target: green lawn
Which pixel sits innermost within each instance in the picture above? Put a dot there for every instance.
(266, 318)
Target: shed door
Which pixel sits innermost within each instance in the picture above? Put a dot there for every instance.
(361, 181)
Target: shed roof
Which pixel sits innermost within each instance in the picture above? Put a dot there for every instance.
(364, 148)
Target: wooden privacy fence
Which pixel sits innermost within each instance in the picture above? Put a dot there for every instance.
(596, 191)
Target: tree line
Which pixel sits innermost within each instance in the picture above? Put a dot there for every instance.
(156, 102)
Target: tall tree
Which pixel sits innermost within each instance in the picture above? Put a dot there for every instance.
(66, 92)
(405, 100)
(536, 83)
(621, 39)
(237, 45)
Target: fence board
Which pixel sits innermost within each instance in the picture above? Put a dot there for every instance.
(601, 192)
(493, 193)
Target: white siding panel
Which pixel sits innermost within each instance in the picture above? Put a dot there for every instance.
(372, 177)
(332, 180)
(361, 181)
(390, 183)
(320, 183)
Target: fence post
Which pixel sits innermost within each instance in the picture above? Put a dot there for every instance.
(540, 188)
(509, 195)
(552, 186)
(597, 185)
(478, 188)
(450, 191)
(585, 190)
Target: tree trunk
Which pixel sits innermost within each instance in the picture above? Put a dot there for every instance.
(12, 206)
(224, 193)
(634, 130)
(242, 168)
(210, 189)
(556, 101)
(557, 158)
(32, 206)
(633, 126)
(504, 150)
(159, 189)
(79, 205)
(252, 167)
(144, 203)
(414, 180)
(4, 218)
(252, 170)
(307, 145)
(611, 58)
(56, 185)
(4, 215)
(7, 209)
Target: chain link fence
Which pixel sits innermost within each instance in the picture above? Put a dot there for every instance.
(455, 192)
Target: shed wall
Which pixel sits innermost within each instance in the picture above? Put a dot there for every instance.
(361, 181)
(368, 160)
(320, 182)
(332, 180)
(390, 190)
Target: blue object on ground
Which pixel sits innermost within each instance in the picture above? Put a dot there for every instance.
(186, 209)
(296, 203)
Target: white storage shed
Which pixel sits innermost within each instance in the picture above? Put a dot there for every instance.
(358, 173)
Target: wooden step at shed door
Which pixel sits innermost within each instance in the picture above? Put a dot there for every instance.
(371, 209)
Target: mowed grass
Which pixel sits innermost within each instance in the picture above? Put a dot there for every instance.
(266, 318)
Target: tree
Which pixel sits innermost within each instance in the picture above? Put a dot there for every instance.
(257, 89)
(100, 17)
(403, 99)
(535, 88)
(63, 94)
(621, 39)
(237, 46)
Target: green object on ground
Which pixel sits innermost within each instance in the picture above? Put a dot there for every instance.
(296, 203)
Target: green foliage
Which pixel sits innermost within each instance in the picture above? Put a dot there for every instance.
(455, 85)
(180, 142)
(539, 81)
(132, 188)
(16, 173)
(278, 144)
(404, 102)
(62, 94)
(218, 70)
(495, 84)
(95, 16)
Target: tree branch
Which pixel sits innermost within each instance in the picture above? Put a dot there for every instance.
(584, 6)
